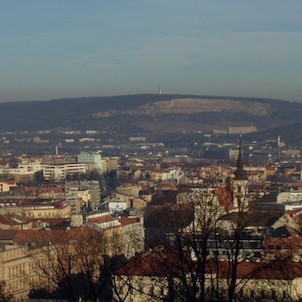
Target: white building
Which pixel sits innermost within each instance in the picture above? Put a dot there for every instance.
(58, 172)
(291, 200)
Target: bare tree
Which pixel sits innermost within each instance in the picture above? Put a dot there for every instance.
(198, 235)
(191, 226)
(78, 263)
(5, 294)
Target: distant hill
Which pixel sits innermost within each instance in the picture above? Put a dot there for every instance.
(150, 113)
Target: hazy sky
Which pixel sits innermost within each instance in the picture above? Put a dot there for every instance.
(59, 48)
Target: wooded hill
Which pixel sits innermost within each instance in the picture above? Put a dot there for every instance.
(150, 113)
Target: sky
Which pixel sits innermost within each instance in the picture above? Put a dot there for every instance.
(57, 48)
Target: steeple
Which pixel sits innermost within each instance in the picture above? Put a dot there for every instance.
(240, 173)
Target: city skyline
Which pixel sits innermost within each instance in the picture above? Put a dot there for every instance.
(53, 49)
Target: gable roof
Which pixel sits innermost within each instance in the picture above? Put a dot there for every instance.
(254, 218)
(164, 264)
(45, 236)
(7, 235)
(273, 270)
(12, 220)
(157, 263)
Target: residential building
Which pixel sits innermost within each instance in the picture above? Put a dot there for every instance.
(110, 164)
(17, 269)
(59, 172)
(6, 185)
(156, 277)
(93, 188)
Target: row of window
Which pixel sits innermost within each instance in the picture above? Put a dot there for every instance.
(263, 294)
(141, 290)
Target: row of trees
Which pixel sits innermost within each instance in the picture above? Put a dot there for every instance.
(76, 264)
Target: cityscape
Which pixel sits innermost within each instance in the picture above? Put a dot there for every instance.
(93, 215)
(150, 151)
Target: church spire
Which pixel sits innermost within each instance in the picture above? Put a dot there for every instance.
(240, 173)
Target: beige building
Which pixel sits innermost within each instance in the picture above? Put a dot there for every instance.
(15, 222)
(47, 211)
(128, 189)
(129, 228)
(17, 269)
(242, 130)
(58, 172)
(155, 278)
(110, 164)
(50, 210)
(6, 185)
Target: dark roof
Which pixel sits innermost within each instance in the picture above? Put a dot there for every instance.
(7, 234)
(254, 218)
(169, 217)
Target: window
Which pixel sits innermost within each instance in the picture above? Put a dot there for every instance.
(252, 294)
(262, 294)
(216, 253)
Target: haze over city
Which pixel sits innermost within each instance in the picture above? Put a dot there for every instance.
(54, 49)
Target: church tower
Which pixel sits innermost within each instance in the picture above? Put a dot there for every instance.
(240, 182)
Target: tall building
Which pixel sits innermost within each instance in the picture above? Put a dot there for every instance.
(92, 186)
(91, 158)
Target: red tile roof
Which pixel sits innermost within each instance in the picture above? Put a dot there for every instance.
(281, 270)
(103, 218)
(9, 181)
(128, 220)
(160, 264)
(24, 236)
(292, 242)
(56, 189)
(11, 219)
